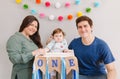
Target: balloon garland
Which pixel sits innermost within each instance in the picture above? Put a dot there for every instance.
(57, 5)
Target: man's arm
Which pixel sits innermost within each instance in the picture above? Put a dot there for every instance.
(111, 71)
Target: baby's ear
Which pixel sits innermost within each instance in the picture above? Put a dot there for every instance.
(51, 36)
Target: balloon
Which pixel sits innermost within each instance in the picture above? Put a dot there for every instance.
(38, 1)
(42, 15)
(77, 2)
(47, 4)
(25, 6)
(60, 18)
(96, 4)
(18, 1)
(33, 11)
(57, 5)
(79, 14)
(70, 17)
(67, 4)
(88, 10)
(51, 17)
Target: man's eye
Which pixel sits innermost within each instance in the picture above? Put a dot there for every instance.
(85, 25)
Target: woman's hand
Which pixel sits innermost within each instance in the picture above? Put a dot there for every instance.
(38, 52)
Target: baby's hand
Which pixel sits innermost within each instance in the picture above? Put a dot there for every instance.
(49, 39)
(67, 51)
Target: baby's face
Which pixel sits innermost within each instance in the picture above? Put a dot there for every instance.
(58, 37)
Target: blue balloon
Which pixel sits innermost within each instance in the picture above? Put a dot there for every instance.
(77, 2)
(33, 11)
(96, 4)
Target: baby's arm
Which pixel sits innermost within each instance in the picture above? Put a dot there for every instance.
(66, 50)
(49, 40)
(50, 45)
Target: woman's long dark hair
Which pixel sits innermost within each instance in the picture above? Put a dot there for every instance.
(35, 37)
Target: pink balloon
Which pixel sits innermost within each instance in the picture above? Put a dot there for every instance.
(60, 18)
(42, 15)
(47, 4)
(67, 4)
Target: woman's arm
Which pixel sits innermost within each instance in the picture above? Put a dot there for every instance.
(16, 54)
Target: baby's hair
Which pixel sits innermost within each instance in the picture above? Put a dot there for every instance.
(58, 30)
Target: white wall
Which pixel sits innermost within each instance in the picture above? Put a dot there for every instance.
(106, 26)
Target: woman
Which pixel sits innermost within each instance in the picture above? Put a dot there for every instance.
(23, 46)
(93, 54)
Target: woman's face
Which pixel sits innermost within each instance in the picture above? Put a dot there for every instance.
(84, 29)
(31, 28)
(58, 37)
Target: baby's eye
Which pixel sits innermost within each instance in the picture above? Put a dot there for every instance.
(79, 26)
(60, 35)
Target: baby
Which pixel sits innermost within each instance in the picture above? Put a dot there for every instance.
(57, 44)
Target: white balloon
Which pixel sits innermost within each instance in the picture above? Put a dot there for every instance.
(57, 5)
(51, 17)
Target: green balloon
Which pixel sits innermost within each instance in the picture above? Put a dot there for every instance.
(88, 10)
(25, 6)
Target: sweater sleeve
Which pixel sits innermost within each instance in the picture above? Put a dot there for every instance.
(15, 53)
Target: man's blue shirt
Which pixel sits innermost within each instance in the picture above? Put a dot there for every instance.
(92, 58)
